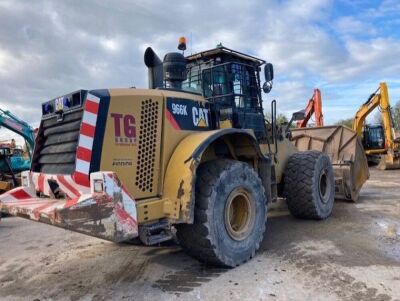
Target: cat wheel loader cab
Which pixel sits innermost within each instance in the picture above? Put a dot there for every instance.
(193, 152)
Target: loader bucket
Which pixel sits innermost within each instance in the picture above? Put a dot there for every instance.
(346, 152)
(106, 210)
(389, 161)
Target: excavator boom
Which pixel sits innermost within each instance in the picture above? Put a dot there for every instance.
(18, 126)
(389, 153)
(15, 163)
(314, 106)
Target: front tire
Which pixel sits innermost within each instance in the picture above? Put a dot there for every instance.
(229, 214)
(309, 185)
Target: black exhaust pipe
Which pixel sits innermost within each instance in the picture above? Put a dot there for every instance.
(155, 65)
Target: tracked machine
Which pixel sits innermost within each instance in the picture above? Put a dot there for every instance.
(12, 159)
(381, 145)
(313, 107)
(191, 155)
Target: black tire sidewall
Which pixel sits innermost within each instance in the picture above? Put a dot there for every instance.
(239, 175)
(301, 185)
(323, 163)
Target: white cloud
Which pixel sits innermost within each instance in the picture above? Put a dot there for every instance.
(386, 9)
(349, 25)
(49, 48)
(5, 59)
(110, 44)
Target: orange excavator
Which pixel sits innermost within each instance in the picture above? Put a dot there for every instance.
(314, 106)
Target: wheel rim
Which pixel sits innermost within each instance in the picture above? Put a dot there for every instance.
(324, 186)
(239, 214)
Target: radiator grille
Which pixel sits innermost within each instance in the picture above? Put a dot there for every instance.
(147, 146)
(58, 148)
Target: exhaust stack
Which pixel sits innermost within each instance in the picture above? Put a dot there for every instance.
(155, 66)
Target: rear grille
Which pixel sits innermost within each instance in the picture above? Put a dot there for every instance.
(59, 142)
(147, 145)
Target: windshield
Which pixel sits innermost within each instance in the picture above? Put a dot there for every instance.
(193, 81)
(225, 83)
(374, 138)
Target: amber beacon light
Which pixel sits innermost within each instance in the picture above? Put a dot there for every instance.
(182, 43)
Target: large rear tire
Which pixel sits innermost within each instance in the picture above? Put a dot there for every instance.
(309, 185)
(229, 214)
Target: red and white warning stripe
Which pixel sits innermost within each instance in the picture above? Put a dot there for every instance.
(125, 193)
(121, 220)
(22, 200)
(20, 193)
(66, 183)
(84, 150)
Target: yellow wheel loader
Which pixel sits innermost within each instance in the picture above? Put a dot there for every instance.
(192, 153)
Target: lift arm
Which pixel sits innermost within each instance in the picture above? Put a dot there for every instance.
(380, 98)
(314, 106)
(18, 126)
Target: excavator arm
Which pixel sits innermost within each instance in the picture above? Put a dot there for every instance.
(380, 98)
(314, 106)
(390, 154)
(18, 126)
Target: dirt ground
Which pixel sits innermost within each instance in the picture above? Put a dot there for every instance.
(354, 255)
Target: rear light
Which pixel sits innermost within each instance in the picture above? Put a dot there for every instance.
(47, 108)
(67, 102)
(98, 186)
(64, 103)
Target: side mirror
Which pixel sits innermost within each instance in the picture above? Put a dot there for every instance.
(269, 76)
(296, 116)
(300, 115)
(268, 72)
(267, 87)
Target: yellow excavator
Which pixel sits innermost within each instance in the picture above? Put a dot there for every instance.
(379, 141)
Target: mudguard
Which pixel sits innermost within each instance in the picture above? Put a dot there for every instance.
(180, 176)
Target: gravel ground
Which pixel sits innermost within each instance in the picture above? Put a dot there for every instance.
(354, 255)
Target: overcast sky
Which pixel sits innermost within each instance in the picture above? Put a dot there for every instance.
(344, 47)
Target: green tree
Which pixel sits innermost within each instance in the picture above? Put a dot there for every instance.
(396, 116)
(281, 119)
(346, 122)
(395, 111)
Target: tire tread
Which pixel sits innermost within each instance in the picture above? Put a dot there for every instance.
(196, 238)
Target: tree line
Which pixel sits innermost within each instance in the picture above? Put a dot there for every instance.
(378, 118)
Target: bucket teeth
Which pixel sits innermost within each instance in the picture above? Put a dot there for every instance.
(387, 162)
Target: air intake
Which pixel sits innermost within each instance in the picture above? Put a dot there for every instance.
(174, 70)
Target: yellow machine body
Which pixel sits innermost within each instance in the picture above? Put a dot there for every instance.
(389, 154)
(159, 168)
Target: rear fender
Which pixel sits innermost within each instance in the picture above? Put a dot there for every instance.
(180, 176)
